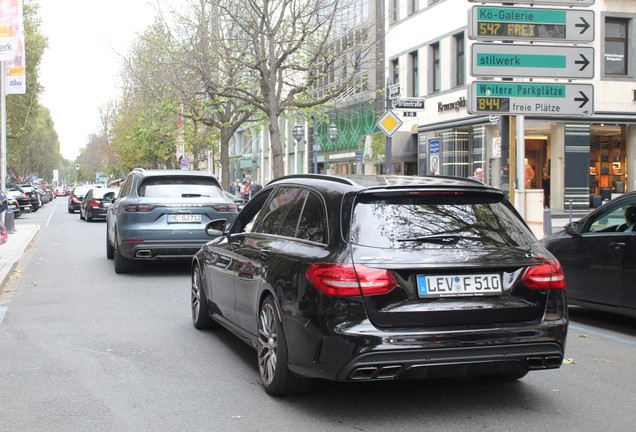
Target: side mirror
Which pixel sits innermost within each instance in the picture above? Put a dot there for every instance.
(216, 228)
(574, 229)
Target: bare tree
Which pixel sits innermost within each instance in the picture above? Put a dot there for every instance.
(291, 54)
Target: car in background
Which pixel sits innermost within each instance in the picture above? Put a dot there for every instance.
(599, 258)
(96, 202)
(13, 206)
(34, 196)
(240, 202)
(371, 278)
(45, 196)
(76, 197)
(60, 191)
(162, 214)
(24, 202)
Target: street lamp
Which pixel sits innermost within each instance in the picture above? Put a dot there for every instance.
(332, 134)
(299, 130)
(332, 130)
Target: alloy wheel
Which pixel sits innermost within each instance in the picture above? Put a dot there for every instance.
(267, 343)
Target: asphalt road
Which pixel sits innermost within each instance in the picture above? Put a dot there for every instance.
(84, 349)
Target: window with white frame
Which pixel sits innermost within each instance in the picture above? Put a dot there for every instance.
(414, 75)
(435, 82)
(615, 55)
(460, 60)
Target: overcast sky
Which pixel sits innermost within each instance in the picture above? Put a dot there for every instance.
(79, 69)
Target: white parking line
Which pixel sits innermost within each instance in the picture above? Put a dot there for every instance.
(3, 312)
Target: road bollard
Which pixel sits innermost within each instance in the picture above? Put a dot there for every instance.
(547, 221)
(9, 221)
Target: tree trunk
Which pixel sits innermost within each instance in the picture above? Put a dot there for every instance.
(278, 165)
(226, 136)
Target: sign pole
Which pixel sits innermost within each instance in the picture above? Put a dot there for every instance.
(521, 169)
(388, 157)
(3, 122)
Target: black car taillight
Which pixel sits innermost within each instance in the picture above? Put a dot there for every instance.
(545, 276)
(344, 280)
(95, 203)
(74, 198)
(138, 208)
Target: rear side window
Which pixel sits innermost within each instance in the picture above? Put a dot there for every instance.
(179, 187)
(430, 221)
(275, 211)
(313, 222)
(306, 219)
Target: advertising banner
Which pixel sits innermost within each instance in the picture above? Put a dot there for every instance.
(12, 45)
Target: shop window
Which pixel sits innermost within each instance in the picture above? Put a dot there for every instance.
(456, 151)
(616, 47)
(607, 160)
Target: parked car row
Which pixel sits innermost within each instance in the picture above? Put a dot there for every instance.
(28, 198)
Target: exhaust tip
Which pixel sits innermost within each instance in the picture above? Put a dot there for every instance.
(544, 362)
(364, 373)
(143, 254)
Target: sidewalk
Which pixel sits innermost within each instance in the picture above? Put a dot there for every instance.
(11, 252)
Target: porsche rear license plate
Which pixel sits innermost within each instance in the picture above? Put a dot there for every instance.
(458, 286)
(184, 218)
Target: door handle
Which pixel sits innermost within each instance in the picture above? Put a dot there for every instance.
(617, 246)
(265, 254)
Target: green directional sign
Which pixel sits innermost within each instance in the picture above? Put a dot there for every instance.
(531, 24)
(532, 61)
(520, 98)
(543, 2)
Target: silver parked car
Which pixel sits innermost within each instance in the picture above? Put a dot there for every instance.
(163, 214)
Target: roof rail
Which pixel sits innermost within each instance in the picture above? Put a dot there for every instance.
(325, 177)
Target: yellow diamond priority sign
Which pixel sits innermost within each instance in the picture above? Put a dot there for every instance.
(389, 123)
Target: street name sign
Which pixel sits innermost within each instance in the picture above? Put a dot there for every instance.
(389, 123)
(522, 98)
(531, 24)
(542, 2)
(531, 61)
(410, 103)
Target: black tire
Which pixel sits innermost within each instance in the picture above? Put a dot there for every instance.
(122, 264)
(81, 217)
(110, 250)
(271, 349)
(70, 210)
(201, 318)
(89, 218)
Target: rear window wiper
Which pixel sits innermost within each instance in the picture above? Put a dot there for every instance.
(193, 195)
(434, 238)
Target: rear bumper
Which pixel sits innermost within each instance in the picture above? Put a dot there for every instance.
(362, 352)
(452, 362)
(155, 249)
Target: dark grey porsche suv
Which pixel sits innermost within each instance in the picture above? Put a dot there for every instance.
(382, 277)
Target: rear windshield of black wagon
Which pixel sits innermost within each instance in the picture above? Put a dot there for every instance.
(434, 220)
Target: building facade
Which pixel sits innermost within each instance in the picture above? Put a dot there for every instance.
(578, 160)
